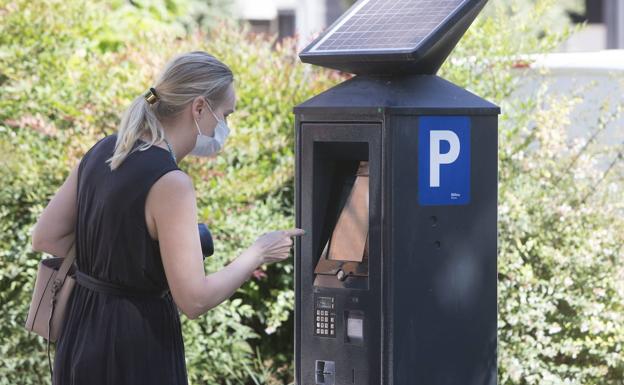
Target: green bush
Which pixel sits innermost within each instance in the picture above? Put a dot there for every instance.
(64, 85)
(69, 68)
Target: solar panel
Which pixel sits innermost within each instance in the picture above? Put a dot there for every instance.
(386, 24)
(373, 29)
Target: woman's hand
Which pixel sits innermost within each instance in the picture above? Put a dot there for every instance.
(274, 246)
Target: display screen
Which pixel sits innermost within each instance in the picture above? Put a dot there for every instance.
(325, 302)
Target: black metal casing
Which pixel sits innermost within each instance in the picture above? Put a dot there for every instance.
(429, 302)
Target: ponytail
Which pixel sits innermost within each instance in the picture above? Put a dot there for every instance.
(137, 119)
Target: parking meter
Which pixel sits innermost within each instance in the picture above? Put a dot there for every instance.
(396, 188)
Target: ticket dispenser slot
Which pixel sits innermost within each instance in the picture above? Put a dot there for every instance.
(325, 371)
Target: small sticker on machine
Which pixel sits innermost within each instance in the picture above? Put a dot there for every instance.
(355, 328)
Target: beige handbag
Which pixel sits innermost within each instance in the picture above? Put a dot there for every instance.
(53, 287)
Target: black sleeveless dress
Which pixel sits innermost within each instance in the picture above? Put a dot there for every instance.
(107, 338)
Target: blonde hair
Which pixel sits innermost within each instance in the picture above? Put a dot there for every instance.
(184, 78)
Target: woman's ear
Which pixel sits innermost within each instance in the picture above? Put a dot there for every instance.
(198, 106)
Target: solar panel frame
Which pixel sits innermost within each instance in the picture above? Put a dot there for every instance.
(357, 10)
(354, 60)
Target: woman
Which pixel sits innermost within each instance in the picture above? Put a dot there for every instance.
(132, 214)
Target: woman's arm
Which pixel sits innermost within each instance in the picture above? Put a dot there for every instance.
(54, 231)
(172, 203)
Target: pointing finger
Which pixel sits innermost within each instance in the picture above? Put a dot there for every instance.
(294, 232)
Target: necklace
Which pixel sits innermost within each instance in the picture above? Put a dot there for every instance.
(171, 151)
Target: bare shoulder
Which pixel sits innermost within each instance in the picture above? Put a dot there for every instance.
(174, 180)
(173, 186)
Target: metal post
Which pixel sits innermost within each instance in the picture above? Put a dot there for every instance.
(614, 20)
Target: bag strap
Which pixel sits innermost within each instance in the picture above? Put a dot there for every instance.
(67, 262)
(58, 283)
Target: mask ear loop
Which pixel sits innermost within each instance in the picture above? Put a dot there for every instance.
(215, 116)
(197, 125)
(212, 111)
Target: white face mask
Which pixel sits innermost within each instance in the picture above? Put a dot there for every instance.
(208, 145)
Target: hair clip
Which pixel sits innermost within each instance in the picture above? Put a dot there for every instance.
(151, 96)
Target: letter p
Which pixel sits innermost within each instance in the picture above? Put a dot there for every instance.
(436, 158)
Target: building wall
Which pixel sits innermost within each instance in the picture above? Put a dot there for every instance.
(268, 16)
(605, 28)
(304, 18)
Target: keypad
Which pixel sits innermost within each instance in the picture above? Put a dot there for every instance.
(325, 317)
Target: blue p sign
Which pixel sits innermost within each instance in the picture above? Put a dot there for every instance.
(444, 160)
